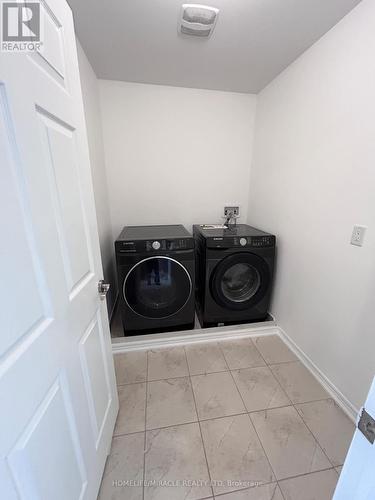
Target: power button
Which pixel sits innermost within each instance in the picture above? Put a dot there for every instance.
(243, 242)
(156, 245)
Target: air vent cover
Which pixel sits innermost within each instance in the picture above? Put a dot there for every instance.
(198, 20)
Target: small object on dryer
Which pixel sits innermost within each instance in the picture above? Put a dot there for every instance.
(213, 226)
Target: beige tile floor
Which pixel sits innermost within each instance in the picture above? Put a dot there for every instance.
(233, 420)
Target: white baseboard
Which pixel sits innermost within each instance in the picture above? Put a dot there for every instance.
(152, 341)
(337, 395)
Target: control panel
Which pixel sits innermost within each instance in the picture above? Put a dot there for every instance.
(243, 241)
(166, 245)
(161, 245)
(254, 241)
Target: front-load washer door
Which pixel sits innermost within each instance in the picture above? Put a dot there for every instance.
(157, 287)
(240, 281)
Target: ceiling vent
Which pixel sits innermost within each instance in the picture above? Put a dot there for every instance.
(198, 20)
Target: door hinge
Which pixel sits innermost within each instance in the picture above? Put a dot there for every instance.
(366, 425)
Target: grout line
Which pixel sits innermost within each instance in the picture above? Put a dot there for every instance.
(130, 383)
(272, 374)
(144, 441)
(199, 420)
(200, 374)
(284, 362)
(153, 380)
(306, 474)
(253, 339)
(281, 491)
(242, 367)
(202, 420)
(269, 409)
(250, 421)
(245, 412)
(218, 342)
(311, 432)
(220, 495)
(126, 434)
(227, 370)
(173, 425)
(350, 410)
(199, 424)
(256, 348)
(313, 401)
(243, 489)
(313, 436)
(211, 373)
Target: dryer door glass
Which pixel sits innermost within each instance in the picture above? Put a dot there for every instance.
(240, 281)
(157, 287)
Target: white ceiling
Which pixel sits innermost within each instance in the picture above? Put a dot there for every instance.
(137, 40)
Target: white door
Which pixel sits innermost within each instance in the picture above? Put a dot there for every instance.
(58, 400)
(357, 478)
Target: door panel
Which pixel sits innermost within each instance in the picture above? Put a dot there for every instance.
(61, 166)
(52, 57)
(33, 471)
(19, 251)
(95, 372)
(57, 384)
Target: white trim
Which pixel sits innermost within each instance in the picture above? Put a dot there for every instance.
(152, 341)
(344, 403)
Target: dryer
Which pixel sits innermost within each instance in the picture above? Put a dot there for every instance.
(156, 278)
(234, 274)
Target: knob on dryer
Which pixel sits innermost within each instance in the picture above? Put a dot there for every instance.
(156, 245)
(243, 242)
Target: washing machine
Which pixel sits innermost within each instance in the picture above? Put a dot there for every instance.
(156, 278)
(234, 274)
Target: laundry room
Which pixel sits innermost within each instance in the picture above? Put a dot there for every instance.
(183, 128)
(171, 155)
(205, 174)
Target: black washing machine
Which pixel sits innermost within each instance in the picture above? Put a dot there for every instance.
(234, 272)
(156, 278)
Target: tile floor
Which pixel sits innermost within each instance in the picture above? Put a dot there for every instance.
(233, 420)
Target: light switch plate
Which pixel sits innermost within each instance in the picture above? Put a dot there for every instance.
(358, 235)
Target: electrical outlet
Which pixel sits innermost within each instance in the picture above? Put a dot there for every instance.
(234, 210)
(358, 235)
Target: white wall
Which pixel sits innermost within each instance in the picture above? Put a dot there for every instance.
(175, 155)
(91, 104)
(313, 177)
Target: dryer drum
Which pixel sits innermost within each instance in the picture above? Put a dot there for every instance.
(157, 287)
(240, 281)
